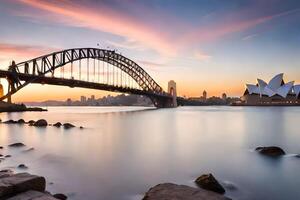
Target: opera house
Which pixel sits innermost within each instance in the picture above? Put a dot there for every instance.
(276, 92)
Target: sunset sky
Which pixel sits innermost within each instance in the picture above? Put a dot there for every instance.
(214, 45)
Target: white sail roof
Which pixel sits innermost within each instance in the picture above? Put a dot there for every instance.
(274, 87)
(275, 82)
(297, 90)
(285, 89)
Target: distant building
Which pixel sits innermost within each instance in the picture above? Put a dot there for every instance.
(69, 102)
(82, 99)
(224, 97)
(93, 97)
(204, 95)
(276, 92)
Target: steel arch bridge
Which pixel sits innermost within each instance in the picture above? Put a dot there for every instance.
(86, 68)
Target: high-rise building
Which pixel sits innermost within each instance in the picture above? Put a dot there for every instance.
(93, 97)
(69, 102)
(204, 95)
(224, 97)
(82, 99)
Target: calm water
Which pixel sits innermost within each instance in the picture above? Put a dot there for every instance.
(124, 151)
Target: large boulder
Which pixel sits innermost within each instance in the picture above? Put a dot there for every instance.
(209, 182)
(40, 123)
(5, 173)
(272, 151)
(180, 192)
(21, 182)
(33, 195)
(68, 126)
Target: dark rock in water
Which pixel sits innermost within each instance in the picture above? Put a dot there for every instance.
(18, 144)
(170, 191)
(1, 155)
(297, 156)
(19, 183)
(57, 124)
(60, 196)
(270, 151)
(68, 126)
(28, 150)
(21, 121)
(10, 122)
(7, 156)
(22, 166)
(1, 147)
(208, 182)
(41, 123)
(81, 127)
(31, 122)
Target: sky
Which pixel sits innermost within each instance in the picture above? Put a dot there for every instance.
(211, 45)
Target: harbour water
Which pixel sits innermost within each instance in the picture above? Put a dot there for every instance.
(123, 151)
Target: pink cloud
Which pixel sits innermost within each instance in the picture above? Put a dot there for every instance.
(9, 52)
(102, 19)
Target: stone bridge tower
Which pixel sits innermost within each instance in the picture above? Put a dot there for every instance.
(173, 91)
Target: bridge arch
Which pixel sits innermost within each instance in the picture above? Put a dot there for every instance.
(38, 68)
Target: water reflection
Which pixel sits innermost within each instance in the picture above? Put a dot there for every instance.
(122, 152)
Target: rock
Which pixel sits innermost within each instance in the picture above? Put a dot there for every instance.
(10, 122)
(6, 173)
(21, 182)
(7, 156)
(168, 191)
(68, 126)
(208, 182)
(81, 127)
(33, 195)
(1, 147)
(297, 156)
(31, 122)
(57, 124)
(40, 123)
(60, 196)
(22, 166)
(21, 121)
(270, 151)
(1, 155)
(17, 144)
(28, 150)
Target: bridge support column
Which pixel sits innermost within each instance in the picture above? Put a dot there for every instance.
(172, 90)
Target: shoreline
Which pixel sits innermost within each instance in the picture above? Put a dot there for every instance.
(9, 107)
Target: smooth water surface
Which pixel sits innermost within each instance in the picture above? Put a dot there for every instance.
(123, 151)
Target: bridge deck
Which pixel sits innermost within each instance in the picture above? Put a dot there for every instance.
(80, 84)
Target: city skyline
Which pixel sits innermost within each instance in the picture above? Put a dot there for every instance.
(218, 47)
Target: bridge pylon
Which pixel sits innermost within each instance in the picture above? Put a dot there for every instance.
(172, 90)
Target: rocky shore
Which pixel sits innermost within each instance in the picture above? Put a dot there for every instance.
(7, 107)
(25, 186)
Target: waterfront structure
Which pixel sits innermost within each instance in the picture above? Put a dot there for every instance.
(172, 90)
(276, 92)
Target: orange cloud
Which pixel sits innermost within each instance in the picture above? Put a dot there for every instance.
(103, 19)
(9, 52)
